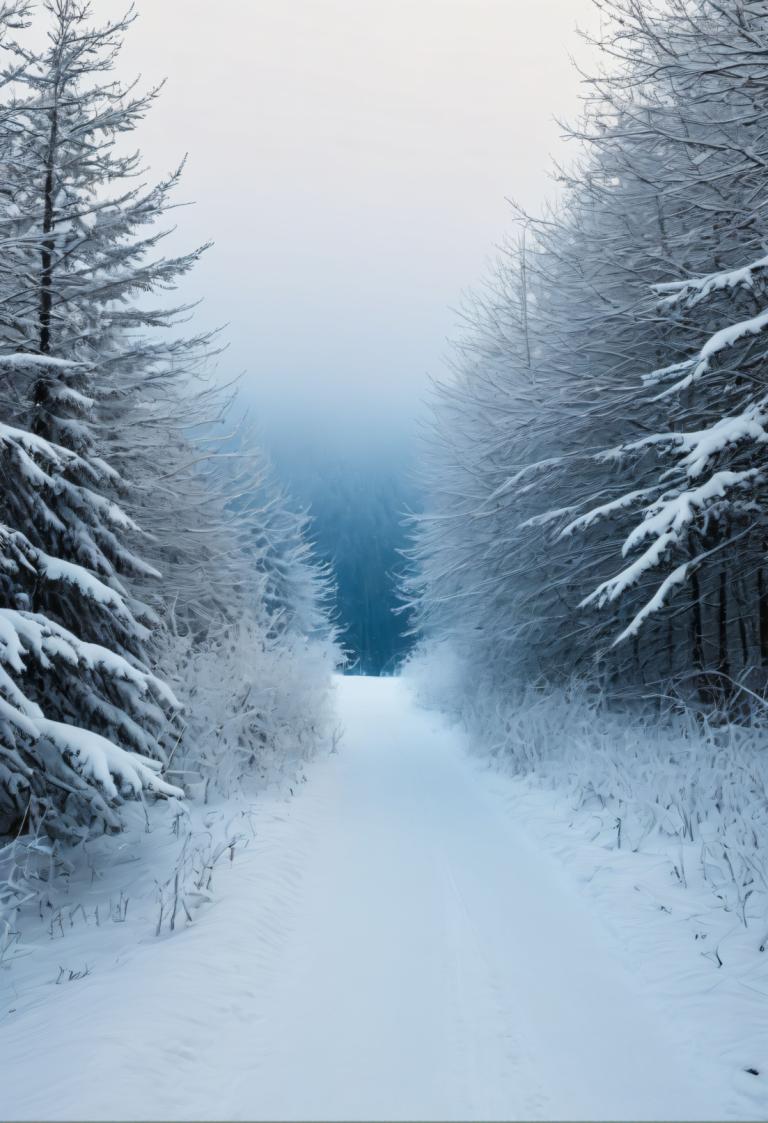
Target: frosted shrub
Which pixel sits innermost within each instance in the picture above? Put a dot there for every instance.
(644, 777)
(257, 705)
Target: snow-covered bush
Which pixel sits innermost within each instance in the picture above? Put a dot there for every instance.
(254, 668)
(649, 776)
(257, 705)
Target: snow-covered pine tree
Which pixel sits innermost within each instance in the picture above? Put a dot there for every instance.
(296, 590)
(669, 185)
(155, 400)
(88, 255)
(83, 716)
(57, 775)
(543, 382)
(114, 413)
(697, 551)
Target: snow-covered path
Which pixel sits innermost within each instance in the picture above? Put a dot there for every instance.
(392, 947)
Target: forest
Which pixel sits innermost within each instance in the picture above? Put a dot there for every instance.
(589, 572)
(359, 505)
(597, 466)
(344, 776)
(163, 623)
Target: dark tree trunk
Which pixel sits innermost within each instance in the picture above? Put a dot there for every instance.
(46, 253)
(723, 660)
(762, 617)
(697, 641)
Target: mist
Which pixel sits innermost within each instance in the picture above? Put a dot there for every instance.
(353, 163)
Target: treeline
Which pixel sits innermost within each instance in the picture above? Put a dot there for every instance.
(596, 470)
(160, 614)
(358, 503)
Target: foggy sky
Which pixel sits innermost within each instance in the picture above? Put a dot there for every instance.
(350, 159)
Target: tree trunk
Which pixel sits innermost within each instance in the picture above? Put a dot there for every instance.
(697, 641)
(762, 615)
(723, 661)
(47, 250)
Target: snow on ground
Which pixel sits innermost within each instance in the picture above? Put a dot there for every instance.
(411, 936)
(705, 969)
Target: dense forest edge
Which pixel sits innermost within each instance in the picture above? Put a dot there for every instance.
(165, 630)
(589, 572)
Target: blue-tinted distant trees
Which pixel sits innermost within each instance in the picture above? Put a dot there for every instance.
(357, 504)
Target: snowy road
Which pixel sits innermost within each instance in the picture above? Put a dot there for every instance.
(392, 947)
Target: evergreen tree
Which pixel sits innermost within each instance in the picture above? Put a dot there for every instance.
(581, 400)
(124, 545)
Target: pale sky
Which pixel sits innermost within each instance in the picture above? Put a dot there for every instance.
(350, 159)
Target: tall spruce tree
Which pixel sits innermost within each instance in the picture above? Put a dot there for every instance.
(78, 671)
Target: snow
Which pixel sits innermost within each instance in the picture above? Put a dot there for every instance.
(720, 341)
(699, 288)
(546, 518)
(100, 760)
(701, 447)
(406, 938)
(21, 632)
(673, 514)
(729, 335)
(613, 588)
(589, 517)
(33, 443)
(512, 481)
(671, 582)
(23, 359)
(56, 569)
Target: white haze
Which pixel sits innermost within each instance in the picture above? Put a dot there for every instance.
(351, 160)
